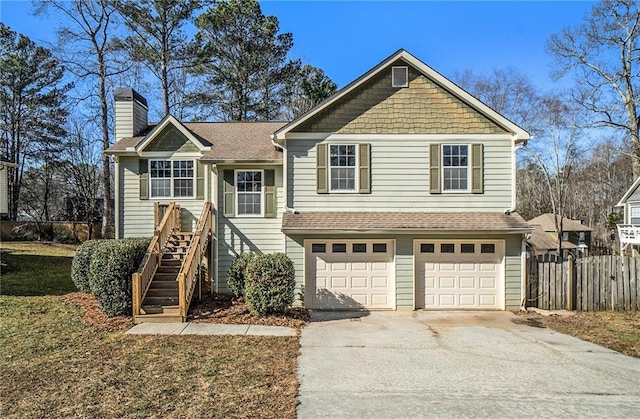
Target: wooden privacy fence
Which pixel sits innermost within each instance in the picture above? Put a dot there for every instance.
(594, 283)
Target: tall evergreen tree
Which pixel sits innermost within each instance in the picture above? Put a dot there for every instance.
(158, 41)
(32, 98)
(244, 61)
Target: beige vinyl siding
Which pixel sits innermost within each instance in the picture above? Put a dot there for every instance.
(400, 177)
(136, 215)
(247, 234)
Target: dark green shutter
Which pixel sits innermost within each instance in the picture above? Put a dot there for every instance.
(477, 181)
(199, 180)
(229, 199)
(434, 168)
(364, 167)
(143, 172)
(270, 200)
(321, 168)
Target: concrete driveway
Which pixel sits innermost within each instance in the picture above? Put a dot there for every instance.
(454, 364)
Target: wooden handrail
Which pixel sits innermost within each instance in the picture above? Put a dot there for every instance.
(142, 278)
(189, 268)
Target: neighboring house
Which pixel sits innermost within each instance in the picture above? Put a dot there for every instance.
(4, 186)
(629, 230)
(397, 192)
(576, 237)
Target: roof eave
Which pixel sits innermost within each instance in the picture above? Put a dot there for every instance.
(295, 230)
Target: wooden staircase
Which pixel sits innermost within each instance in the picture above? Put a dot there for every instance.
(165, 282)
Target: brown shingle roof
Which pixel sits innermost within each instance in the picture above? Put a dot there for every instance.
(240, 141)
(408, 221)
(542, 242)
(546, 221)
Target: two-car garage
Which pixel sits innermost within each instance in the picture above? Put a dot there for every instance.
(448, 274)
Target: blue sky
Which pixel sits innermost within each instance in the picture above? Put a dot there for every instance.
(345, 39)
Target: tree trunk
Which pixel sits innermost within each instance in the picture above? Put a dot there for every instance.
(107, 213)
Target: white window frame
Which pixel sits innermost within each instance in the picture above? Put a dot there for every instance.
(632, 209)
(172, 178)
(393, 74)
(443, 167)
(236, 193)
(356, 179)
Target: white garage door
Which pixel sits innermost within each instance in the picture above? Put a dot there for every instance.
(459, 274)
(349, 274)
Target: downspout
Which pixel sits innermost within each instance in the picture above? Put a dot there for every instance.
(285, 184)
(116, 198)
(514, 172)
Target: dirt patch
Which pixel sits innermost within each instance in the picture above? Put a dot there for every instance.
(222, 308)
(617, 330)
(92, 315)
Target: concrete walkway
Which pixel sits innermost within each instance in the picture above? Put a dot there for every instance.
(457, 365)
(209, 329)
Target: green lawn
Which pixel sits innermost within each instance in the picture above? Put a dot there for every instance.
(53, 365)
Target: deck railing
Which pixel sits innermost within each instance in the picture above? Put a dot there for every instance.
(187, 277)
(168, 223)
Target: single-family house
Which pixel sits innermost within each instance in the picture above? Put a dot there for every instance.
(4, 186)
(576, 237)
(396, 193)
(629, 230)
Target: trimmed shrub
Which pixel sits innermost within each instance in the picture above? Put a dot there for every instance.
(270, 284)
(237, 273)
(110, 270)
(80, 265)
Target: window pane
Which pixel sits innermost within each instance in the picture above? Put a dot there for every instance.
(467, 248)
(455, 167)
(379, 248)
(359, 248)
(183, 187)
(160, 187)
(249, 203)
(249, 190)
(447, 248)
(318, 248)
(427, 248)
(339, 248)
(487, 248)
(343, 179)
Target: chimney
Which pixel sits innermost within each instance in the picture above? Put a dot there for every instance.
(130, 113)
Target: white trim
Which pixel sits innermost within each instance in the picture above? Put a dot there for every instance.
(235, 191)
(170, 119)
(442, 167)
(394, 70)
(172, 178)
(521, 134)
(169, 154)
(116, 198)
(629, 192)
(355, 170)
(398, 137)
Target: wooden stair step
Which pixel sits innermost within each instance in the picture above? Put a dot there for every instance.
(165, 276)
(167, 293)
(158, 284)
(167, 269)
(158, 318)
(160, 301)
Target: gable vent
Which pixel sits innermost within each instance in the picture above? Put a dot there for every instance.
(399, 76)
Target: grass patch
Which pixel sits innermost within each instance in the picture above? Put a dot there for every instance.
(617, 330)
(54, 365)
(31, 269)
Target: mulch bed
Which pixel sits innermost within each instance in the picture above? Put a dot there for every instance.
(222, 308)
(214, 308)
(92, 315)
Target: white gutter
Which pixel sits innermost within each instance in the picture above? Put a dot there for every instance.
(285, 177)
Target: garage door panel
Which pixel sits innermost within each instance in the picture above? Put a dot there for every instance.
(346, 280)
(459, 280)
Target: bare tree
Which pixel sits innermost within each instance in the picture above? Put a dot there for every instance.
(603, 53)
(556, 155)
